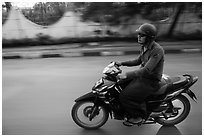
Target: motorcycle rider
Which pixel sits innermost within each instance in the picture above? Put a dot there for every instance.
(144, 81)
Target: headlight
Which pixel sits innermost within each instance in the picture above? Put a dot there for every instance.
(99, 82)
(101, 92)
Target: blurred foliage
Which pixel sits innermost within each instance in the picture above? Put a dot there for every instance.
(42, 13)
(106, 13)
(99, 13)
(112, 12)
(46, 13)
(6, 6)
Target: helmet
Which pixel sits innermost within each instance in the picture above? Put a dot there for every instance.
(147, 29)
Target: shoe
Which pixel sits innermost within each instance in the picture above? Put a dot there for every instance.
(132, 121)
(135, 120)
(126, 123)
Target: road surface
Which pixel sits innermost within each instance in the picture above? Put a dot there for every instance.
(38, 95)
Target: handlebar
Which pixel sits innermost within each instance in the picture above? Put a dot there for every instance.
(112, 69)
(118, 67)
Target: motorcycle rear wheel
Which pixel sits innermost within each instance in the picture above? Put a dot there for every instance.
(82, 111)
(183, 113)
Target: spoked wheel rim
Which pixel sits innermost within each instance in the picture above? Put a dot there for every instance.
(83, 112)
(180, 111)
(87, 111)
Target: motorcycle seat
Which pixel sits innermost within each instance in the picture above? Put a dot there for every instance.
(171, 83)
(162, 87)
(178, 82)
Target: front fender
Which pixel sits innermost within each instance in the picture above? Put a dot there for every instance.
(91, 97)
(88, 96)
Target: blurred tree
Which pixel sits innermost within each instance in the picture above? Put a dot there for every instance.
(180, 8)
(96, 10)
(7, 6)
(116, 10)
(45, 13)
(108, 13)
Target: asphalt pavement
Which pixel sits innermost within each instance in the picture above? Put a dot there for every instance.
(38, 95)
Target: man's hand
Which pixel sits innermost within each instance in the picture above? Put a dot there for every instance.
(122, 76)
(118, 64)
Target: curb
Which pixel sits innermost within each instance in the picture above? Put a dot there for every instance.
(34, 55)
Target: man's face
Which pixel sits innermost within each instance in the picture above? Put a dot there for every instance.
(141, 38)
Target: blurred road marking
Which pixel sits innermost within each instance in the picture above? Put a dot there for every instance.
(107, 53)
(191, 50)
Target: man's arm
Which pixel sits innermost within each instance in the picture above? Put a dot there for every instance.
(130, 63)
(149, 66)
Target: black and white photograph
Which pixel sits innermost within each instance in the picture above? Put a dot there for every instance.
(101, 68)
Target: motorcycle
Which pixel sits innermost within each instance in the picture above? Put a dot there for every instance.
(168, 106)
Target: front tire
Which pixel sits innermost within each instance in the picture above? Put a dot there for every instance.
(182, 113)
(81, 113)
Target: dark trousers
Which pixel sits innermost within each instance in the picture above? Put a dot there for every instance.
(133, 96)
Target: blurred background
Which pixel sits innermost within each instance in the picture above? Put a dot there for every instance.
(65, 22)
(54, 52)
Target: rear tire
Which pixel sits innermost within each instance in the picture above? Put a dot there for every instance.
(181, 117)
(85, 122)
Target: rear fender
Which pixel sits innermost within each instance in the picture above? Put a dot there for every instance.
(192, 80)
(191, 94)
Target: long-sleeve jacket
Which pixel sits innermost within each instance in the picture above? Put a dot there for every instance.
(151, 61)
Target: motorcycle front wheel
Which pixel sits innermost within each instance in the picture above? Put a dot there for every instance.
(87, 116)
(182, 107)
